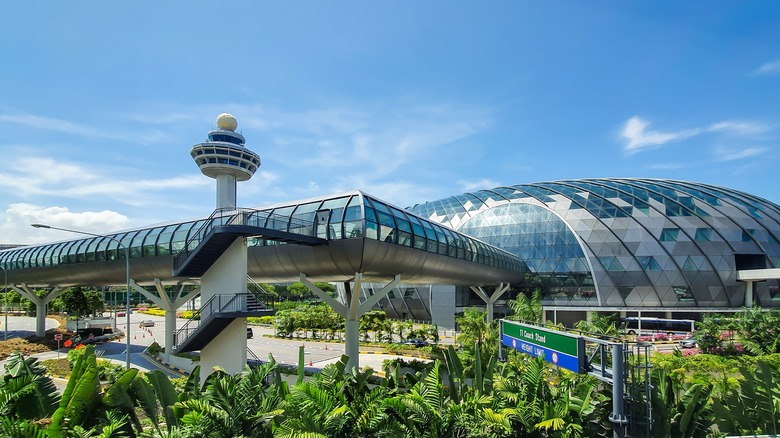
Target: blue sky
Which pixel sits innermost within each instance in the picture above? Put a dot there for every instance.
(100, 102)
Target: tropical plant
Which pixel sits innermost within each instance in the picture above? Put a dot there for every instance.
(753, 408)
(476, 333)
(759, 330)
(679, 409)
(599, 325)
(79, 397)
(26, 391)
(527, 308)
(231, 406)
(335, 403)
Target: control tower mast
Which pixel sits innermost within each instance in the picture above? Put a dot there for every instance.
(225, 158)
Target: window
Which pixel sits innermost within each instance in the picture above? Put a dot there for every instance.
(669, 234)
(748, 234)
(703, 235)
(611, 264)
(683, 293)
(648, 263)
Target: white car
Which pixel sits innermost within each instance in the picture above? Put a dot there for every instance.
(146, 323)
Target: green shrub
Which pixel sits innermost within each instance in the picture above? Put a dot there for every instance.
(187, 314)
(267, 320)
(154, 348)
(154, 311)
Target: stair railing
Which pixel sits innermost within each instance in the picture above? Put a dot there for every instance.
(242, 216)
(218, 303)
(262, 297)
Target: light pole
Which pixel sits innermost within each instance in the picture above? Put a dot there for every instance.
(127, 281)
(5, 302)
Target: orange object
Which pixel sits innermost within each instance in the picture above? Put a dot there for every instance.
(310, 364)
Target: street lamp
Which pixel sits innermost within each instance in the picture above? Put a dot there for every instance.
(127, 271)
(5, 301)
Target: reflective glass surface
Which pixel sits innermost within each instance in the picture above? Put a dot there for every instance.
(644, 240)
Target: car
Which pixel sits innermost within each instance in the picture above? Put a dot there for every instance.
(249, 333)
(146, 323)
(120, 314)
(415, 342)
(689, 342)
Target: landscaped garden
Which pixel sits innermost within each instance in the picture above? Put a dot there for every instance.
(731, 386)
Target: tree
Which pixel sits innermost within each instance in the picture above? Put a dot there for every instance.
(599, 325)
(527, 309)
(79, 301)
(476, 334)
(263, 289)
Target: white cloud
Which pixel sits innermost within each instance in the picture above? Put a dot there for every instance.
(58, 125)
(481, 184)
(639, 138)
(665, 166)
(17, 229)
(739, 127)
(738, 154)
(770, 68)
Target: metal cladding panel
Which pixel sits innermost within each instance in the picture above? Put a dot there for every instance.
(337, 261)
(142, 270)
(377, 261)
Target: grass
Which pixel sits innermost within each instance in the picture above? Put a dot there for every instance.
(58, 367)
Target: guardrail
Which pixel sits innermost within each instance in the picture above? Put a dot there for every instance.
(242, 216)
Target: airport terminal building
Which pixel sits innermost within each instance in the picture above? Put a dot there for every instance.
(662, 247)
(625, 245)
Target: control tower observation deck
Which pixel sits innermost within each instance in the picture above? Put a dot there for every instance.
(225, 158)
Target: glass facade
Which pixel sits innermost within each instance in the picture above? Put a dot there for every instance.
(351, 216)
(636, 242)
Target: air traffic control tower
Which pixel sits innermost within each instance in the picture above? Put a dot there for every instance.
(225, 158)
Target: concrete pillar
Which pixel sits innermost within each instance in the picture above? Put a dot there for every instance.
(351, 310)
(170, 330)
(749, 294)
(226, 276)
(40, 305)
(618, 417)
(490, 300)
(443, 307)
(163, 301)
(351, 348)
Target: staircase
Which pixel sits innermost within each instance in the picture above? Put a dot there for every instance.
(224, 226)
(216, 314)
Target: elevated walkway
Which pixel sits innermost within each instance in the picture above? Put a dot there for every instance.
(224, 226)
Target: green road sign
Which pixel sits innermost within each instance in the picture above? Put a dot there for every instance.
(562, 349)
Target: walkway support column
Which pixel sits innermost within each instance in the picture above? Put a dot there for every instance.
(749, 294)
(351, 310)
(490, 300)
(227, 350)
(170, 305)
(40, 305)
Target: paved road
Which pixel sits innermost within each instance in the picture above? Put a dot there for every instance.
(22, 326)
(284, 351)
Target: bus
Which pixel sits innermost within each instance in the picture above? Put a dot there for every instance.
(650, 325)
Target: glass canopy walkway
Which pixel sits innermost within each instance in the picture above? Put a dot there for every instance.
(361, 234)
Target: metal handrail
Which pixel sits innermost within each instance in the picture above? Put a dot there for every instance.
(220, 303)
(242, 216)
